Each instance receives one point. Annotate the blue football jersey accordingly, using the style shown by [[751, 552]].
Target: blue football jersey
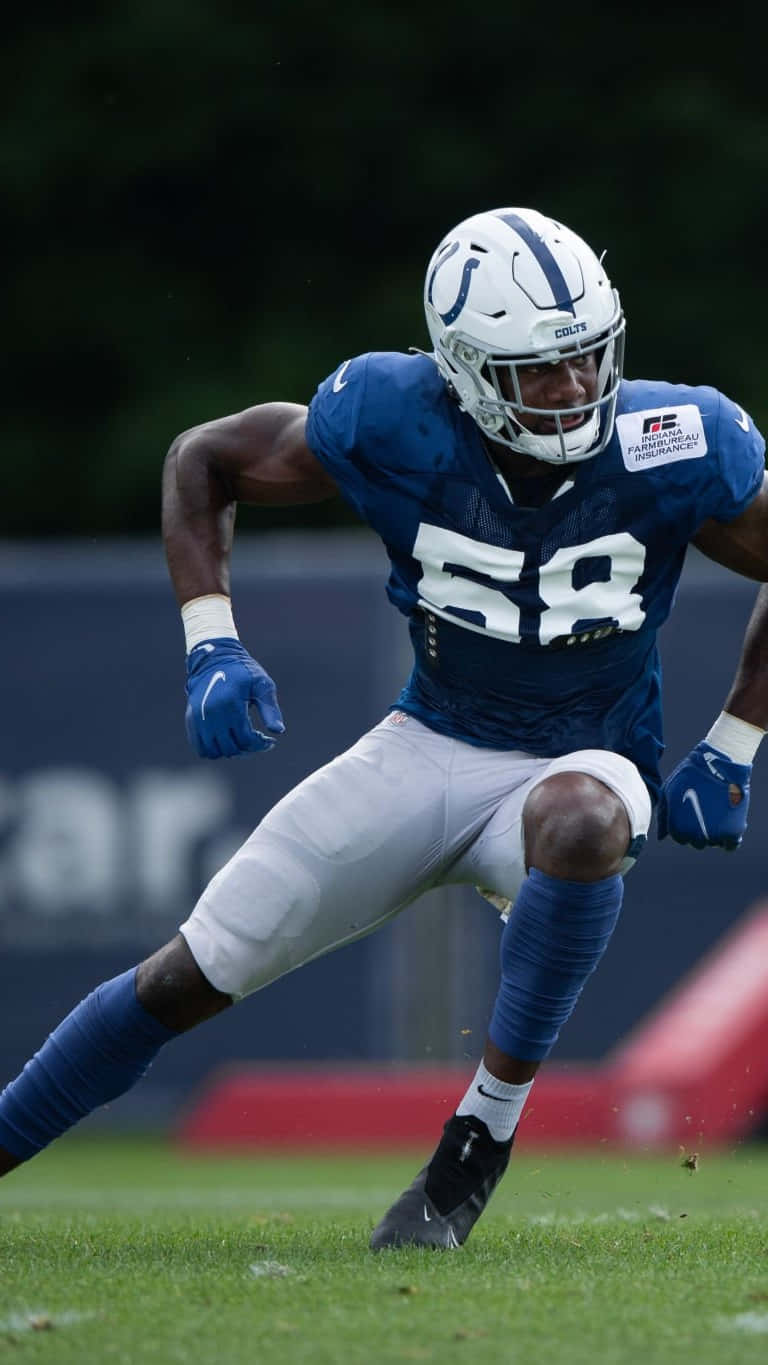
[[533, 628]]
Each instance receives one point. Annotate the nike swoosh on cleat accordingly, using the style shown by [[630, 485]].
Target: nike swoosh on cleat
[[427, 1216], [690, 795], [217, 677], [499, 1098]]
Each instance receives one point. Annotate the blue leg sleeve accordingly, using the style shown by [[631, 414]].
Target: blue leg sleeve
[[555, 936], [96, 1053]]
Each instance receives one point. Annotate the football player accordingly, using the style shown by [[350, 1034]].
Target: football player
[[536, 508]]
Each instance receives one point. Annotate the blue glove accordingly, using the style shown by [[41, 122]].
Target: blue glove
[[228, 696], [696, 804]]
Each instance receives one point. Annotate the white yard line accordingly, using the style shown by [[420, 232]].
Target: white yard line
[[40, 1320], [745, 1322]]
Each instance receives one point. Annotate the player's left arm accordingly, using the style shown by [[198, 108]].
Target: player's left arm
[[742, 544], [705, 801]]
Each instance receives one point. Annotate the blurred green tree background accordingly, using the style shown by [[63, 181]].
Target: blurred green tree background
[[213, 204]]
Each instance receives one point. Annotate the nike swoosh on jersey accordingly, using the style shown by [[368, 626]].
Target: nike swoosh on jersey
[[690, 795], [340, 383], [742, 421], [217, 677]]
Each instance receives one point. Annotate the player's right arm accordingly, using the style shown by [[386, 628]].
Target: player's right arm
[[258, 456]]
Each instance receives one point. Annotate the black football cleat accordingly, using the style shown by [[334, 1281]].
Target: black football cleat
[[447, 1197]]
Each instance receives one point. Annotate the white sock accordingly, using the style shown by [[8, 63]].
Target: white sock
[[498, 1104]]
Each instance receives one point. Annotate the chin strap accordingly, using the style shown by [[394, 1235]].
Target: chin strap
[[557, 448]]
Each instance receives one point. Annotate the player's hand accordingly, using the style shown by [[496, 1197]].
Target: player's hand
[[705, 800], [231, 702]]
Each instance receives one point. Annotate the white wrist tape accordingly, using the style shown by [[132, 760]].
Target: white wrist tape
[[208, 618], [736, 738]]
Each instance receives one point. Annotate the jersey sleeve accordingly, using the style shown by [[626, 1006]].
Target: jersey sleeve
[[741, 463], [374, 425], [333, 429]]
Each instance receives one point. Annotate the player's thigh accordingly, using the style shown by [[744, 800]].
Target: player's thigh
[[495, 861], [346, 849]]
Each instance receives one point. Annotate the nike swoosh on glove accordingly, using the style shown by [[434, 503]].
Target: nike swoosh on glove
[[231, 702], [696, 804]]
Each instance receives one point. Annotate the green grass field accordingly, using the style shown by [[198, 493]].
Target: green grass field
[[129, 1252]]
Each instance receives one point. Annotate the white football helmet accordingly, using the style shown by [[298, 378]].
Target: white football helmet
[[510, 288]]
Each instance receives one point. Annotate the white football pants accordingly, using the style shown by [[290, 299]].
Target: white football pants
[[402, 811]]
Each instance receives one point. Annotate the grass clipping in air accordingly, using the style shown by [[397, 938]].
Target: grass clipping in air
[[127, 1251]]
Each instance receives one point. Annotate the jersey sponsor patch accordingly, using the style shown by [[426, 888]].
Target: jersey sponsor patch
[[661, 436]]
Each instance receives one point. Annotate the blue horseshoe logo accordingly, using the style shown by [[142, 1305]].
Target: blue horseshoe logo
[[466, 275]]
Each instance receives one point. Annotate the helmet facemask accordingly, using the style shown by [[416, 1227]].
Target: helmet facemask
[[501, 414]]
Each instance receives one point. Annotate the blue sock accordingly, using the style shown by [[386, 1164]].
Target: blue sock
[[95, 1054], [555, 936]]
